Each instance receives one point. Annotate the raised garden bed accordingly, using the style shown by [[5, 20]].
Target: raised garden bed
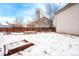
[[17, 46]]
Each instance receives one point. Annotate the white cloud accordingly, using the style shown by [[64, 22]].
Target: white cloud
[[3, 20]]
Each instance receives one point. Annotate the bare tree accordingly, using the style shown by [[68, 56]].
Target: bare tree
[[19, 21], [51, 10]]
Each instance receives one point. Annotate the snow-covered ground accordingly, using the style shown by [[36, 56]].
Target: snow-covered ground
[[45, 44]]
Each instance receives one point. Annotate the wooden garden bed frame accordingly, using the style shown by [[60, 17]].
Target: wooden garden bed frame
[[19, 48]]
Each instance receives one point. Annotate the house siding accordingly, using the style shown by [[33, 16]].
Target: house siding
[[68, 20]]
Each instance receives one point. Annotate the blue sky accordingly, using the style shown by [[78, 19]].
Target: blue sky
[[25, 10], [12, 9]]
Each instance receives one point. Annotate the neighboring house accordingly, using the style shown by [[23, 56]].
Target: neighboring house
[[41, 23], [67, 20], [10, 27], [5, 26], [14, 24]]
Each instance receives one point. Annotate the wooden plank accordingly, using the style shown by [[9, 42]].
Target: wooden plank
[[20, 48]]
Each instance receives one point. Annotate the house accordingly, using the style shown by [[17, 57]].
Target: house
[[41, 23], [67, 19]]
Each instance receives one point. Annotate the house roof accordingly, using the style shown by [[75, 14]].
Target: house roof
[[65, 7], [5, 26]]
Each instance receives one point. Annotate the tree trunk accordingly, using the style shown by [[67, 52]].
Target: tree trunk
[[51, 21]]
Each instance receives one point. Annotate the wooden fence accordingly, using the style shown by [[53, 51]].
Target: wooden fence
[[21, 29]]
